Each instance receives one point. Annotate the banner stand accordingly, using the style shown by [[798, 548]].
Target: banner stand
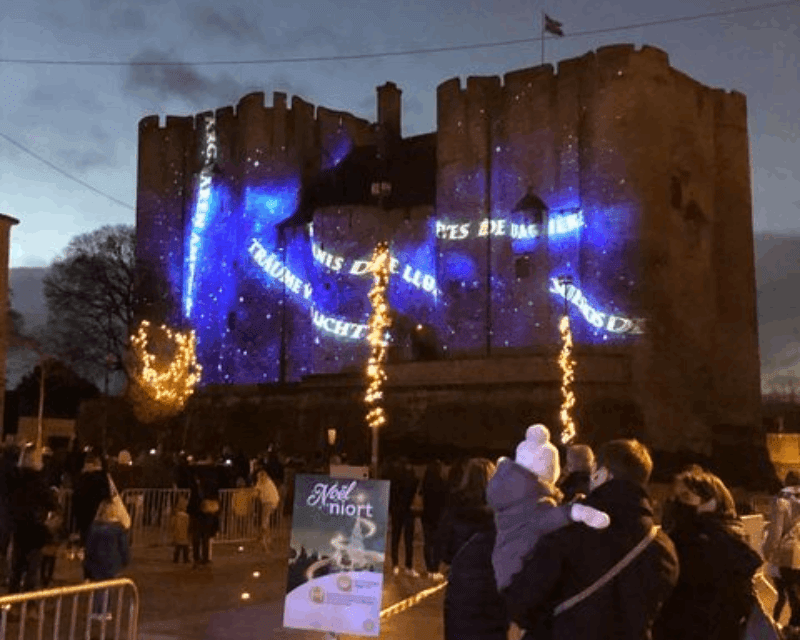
[[337, 554]]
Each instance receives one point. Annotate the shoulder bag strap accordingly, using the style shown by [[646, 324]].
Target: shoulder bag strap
[[609, 575], [464, 546]]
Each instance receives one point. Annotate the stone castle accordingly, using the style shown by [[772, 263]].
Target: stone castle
[[615, 189]]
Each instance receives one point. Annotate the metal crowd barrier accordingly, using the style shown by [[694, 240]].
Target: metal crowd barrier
[[96, 610], [240, 516], [151, 511]]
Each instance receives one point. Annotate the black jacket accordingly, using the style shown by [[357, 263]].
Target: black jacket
[[574, 484], [714, 590], [90, 490], [473, 609], [434, 496], [565, 562], [30, 501], [402, 489]]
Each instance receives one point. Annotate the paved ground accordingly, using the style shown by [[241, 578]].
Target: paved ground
[[181, 603]]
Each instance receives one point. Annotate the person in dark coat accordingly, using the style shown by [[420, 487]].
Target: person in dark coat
[[566, 562], [91, 489], [577, 472], [203, 519], [8, 471], [402, 490], [473, 608], [107, 552], [714, 594], [434, 499], [29, 505]]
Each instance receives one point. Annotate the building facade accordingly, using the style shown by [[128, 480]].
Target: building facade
[[614, 188]]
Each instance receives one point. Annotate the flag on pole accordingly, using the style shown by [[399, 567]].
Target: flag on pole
[[553, 26]]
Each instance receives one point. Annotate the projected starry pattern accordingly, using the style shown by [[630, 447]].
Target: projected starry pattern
[[272, 298]]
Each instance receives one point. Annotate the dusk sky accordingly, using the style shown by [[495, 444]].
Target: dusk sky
[[83, 119]]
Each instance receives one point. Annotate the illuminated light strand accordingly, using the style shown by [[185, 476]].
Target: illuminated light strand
[[378, 324], [567, 365], [167, 384], [403, 605]]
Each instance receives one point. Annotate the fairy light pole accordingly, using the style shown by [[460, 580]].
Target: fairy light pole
[[567, 365], [376, 336]]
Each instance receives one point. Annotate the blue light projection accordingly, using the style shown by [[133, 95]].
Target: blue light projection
[[271, 301], [202, 214]]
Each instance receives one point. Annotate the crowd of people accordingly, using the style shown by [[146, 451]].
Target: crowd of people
[[71, 504], [544, 553], [529, 548]]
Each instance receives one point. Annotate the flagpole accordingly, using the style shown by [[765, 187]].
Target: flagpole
[[542, 37]]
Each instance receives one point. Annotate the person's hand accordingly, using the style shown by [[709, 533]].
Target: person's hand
[[589, 516]]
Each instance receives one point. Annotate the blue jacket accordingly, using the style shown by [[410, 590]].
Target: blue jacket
[[525, 508], [107, 550]]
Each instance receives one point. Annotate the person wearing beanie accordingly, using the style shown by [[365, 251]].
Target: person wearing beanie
[[527, 504], [580, 463]]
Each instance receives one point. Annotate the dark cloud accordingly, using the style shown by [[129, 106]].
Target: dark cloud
[[182, 82], [234, 24], [99, 134], [64, 95], [83, 160], [197, 87], [97, 16]]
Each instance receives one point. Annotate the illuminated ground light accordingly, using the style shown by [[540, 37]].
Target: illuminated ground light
[[378, 324], [167, 383], [567, 365]]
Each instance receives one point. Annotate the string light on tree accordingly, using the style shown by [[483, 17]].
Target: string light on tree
[[567, 365], [378, 324], [166, 382]]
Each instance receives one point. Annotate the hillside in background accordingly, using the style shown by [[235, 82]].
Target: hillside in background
[[777, 279]]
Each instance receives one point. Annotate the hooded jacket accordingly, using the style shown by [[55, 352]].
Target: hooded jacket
[[714, 591], [107, 550], [525, 508], [566, 562], [473, 608]]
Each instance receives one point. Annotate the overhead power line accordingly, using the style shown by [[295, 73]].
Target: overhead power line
[[23, 148], [407, 52]]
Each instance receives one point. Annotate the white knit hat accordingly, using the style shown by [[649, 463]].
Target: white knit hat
[[538, 455]]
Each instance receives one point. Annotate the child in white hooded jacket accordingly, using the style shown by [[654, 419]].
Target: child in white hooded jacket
[[527, 504]]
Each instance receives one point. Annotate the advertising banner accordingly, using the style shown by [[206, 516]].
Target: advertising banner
[[336, 555]]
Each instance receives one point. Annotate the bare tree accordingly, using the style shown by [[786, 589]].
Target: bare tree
[[89, 294]]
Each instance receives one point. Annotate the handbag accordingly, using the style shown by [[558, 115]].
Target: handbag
[[608, 575], [121, 513], [209, 507]]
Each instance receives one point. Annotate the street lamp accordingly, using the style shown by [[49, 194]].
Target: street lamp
[[565, 281]]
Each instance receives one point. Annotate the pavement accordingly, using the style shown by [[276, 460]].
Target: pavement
[[178, 602]]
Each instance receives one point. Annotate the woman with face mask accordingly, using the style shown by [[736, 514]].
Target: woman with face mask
[[714, 595]]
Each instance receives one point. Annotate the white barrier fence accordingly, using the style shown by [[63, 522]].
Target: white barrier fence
[[240, 515], [97, 610]]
